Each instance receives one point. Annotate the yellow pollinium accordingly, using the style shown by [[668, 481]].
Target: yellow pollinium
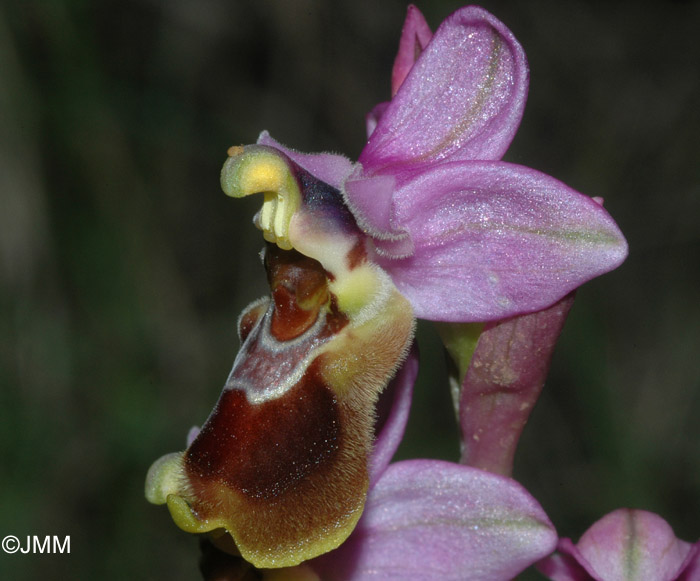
[[256, 169]]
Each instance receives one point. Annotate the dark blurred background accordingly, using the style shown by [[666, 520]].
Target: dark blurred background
[[123, 266]]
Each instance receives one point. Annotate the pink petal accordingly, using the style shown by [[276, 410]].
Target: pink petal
[[628, 545], [328, 167], [431, 520], [192, 434], [562, 565], [393, 408], [463, 99], [415, 36], [504, 380], [493, 240], [625, 545], [691, 567], [370, 201], [372, 118]]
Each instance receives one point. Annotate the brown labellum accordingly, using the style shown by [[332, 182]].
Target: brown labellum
[[281, 463]]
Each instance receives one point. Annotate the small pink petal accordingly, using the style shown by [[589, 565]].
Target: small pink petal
[[562, 565], [192, 434], [628, 545], [393, 417], [370, 201], [625, 545], [463, 98], [372, 118], [691, 567], [431, 520], [415, 36]]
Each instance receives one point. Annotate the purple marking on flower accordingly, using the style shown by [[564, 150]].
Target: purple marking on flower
[[464, 236], [625, 545]]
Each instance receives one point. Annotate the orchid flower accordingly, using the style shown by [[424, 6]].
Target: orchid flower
[[280, 470], [428, 223], [625, 545], [423, 520], [465, 237]]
